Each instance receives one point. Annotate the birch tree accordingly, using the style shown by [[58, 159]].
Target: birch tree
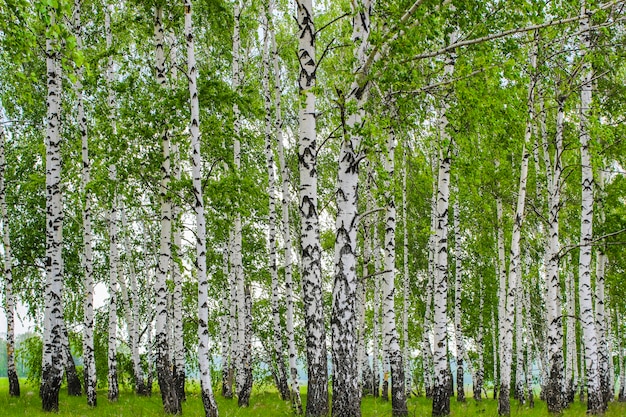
[[208, 400], [113, 392], [52, 367], [294, 387], [514, 277], [89, 362], [594, 395], [279, 362], [171, 402], [9, 298], [317, 398]]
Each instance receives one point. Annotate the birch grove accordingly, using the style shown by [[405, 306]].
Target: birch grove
[[214, 203]]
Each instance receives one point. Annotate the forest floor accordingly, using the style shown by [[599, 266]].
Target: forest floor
[[265, 403]]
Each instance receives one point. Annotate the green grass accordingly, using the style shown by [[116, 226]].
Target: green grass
[[265, 403]]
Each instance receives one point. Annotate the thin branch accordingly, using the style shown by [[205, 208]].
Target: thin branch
[[566, 249], [330, 23], [506, 33], [367, 213], [376, 274], [442, 83]]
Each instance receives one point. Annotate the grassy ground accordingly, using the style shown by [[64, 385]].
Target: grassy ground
[[261, 404]]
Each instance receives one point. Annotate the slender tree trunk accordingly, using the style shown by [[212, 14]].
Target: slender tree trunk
[[317, 399], [494, 355], [343, 322], [171, 402], [228, 324], [428, 313], [458, 279], [441, 391], [572, 362], [504, 407], [89, 361], [73, 382], [520, 379], [529, 351], [14, 383], [480, 365], [206, 387], [594, 389], [296, 402], [243, 357], [133, 313], [280, 371], [391, 339], [113, 392], [52, 366], [501, 272], [601, 315], [621, 397], [177, 296], [406, 291]]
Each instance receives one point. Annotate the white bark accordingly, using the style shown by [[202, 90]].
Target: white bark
[[52, 365], [89, 361], [601, 315], [317, 399], [279, 359], [514, 278], [571, 364], [441, 394], [208, 400], [9, 300], [177, 296], [376, 335], [171, 402], [296, 402], [458, 280], [595, 403], [390, 331], [406, 292], [113, 392]]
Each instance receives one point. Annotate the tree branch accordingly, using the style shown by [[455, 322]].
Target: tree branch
[[507, 33]]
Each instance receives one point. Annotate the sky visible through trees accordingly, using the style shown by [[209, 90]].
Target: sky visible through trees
[[375, 194]]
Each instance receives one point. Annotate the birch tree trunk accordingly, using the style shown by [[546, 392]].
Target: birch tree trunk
[[601, 317], [406, 292], [501, 272], [494, 355], [294, 387], [280, 371], [229, 326], [391, 338], [594, 390], [441, 391], [343, 322], [113, 392], [529, 350], [52, 364], [171, 402], [89, 361], [570, 335], [480, 366], [458, 279], [133, 306], [317, 399], [71, 376], [177, 297], [520, 379], [206, 387], [428, 302], [14, 382], [504, 407]]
